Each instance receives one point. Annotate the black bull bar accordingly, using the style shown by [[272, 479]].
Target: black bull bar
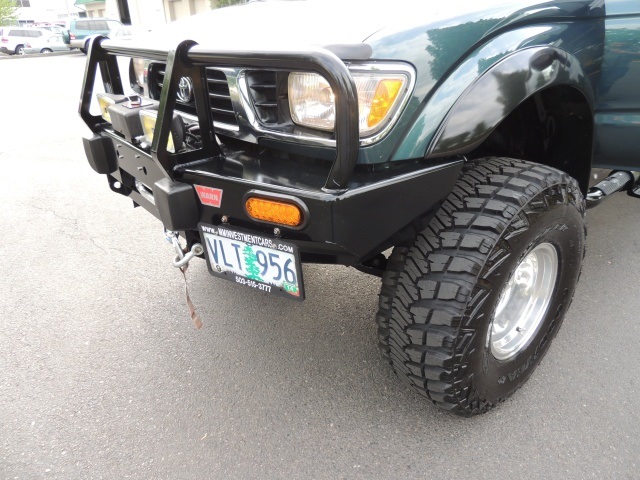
[[355, 216], [188, 59]]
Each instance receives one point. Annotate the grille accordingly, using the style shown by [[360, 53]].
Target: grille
[[219, 97], [218, 90], [263, 89]]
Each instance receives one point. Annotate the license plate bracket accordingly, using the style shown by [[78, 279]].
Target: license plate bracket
[[252, 260]]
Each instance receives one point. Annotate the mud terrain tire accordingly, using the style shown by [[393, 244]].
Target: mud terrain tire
[[440, 295]]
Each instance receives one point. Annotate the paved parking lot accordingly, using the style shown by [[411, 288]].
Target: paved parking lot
[[103, 375]]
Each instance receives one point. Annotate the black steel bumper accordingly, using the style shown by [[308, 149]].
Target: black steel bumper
[[353, 213]]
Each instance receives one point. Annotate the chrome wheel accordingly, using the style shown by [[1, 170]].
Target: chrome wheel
[[523, 302]]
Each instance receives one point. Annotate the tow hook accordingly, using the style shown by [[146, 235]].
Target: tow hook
[[181, 262]]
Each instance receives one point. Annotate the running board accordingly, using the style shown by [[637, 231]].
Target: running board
[[615, 182], [634, 191]]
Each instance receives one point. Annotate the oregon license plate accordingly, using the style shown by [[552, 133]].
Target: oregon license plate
[[253, 261]]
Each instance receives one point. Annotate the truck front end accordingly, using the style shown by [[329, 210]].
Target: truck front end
[[258, 155]]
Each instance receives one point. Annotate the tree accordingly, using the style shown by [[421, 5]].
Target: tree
[[225, 3], [8, 12], [251, 262]]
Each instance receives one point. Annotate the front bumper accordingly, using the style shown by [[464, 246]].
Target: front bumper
[[353, 213], [78, 43]]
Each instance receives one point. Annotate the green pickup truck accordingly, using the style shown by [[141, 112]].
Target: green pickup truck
[[446, 147]]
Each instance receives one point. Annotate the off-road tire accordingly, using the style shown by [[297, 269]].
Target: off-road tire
[[19, 50], [439, 294]]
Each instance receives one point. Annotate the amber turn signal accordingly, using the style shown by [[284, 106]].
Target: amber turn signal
[[384, 98], [274, 211]]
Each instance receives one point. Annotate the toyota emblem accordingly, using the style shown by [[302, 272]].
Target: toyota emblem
[[185, 90]]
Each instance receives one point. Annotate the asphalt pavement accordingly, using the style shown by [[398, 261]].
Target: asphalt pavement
[[102, 374]]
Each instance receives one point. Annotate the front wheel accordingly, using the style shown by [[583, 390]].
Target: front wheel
[[469, 308]]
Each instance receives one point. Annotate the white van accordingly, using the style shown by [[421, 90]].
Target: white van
[[13, 39]]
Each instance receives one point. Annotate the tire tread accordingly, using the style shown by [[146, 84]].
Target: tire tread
[[432, 288]]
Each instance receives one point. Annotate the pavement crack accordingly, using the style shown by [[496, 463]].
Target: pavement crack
[[100, 247], [126, 252], [53, 212]]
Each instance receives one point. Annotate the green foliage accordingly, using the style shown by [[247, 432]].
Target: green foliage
[[8, 12], [225, 3]]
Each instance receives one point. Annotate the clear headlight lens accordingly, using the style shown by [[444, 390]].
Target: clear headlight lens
[[312, 104], [311, 101]]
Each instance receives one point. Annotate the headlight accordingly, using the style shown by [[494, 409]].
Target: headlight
[[311, 100]]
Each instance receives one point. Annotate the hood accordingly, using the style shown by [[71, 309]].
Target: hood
[[286, 24]]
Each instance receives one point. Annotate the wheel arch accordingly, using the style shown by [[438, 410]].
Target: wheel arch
[[536, 104]]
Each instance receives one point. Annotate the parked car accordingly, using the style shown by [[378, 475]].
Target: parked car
[[78, 30], [52, 28], [46, 44], [13, 39]]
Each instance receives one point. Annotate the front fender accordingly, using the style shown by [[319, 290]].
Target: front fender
[[467, 104], [500, 90]]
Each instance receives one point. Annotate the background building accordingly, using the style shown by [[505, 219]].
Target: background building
[[146, 13], [46, 11], [93, 8], [175, 9]]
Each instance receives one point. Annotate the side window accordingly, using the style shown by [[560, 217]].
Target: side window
[[35, 33], [83, 25], [16, 33], [99, 25]]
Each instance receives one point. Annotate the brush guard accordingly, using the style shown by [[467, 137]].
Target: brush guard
[[190, 59]]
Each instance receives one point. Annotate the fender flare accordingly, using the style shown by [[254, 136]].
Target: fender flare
[[500, 90]]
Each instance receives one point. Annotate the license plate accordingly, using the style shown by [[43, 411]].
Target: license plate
[[253, 261]]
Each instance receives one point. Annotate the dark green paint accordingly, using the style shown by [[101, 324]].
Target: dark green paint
[[598, 45], [617, 119]]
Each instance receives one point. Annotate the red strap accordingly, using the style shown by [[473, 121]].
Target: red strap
[[197, 322]]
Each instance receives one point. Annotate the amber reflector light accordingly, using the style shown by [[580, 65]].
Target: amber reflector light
[[274, 211], [383, 100]]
